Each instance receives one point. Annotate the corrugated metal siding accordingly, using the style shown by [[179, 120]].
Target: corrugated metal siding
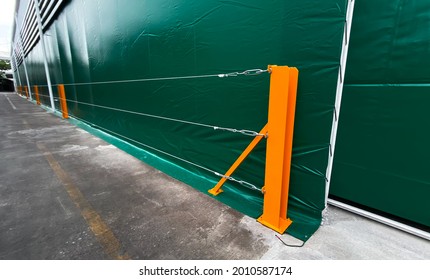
[[29, 29]]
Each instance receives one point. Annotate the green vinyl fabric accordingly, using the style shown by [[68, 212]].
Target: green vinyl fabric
[[382, 152], [96, 41]]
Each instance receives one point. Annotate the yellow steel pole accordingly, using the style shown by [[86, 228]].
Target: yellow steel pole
[[291, 111], [63, 103], [26, 91], [283, 88], [36, 92]]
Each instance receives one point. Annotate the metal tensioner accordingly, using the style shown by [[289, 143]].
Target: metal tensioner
[[251, 72]]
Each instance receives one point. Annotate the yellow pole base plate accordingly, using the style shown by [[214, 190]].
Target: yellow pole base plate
[[215, 192], [283, 224]]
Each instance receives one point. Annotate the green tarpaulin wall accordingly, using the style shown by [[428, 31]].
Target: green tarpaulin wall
[[382, 150], [93, 41]]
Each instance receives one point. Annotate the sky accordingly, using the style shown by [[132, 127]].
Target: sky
[[7, 8]]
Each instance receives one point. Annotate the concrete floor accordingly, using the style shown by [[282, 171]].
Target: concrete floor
[[65, 194]]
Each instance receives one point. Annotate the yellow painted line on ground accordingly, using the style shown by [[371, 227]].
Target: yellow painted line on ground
[[103, 233]]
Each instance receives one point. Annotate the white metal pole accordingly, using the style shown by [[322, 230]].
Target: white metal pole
[[13, 73], [16, 66], [23, 57], [45, 61], [339, 91]]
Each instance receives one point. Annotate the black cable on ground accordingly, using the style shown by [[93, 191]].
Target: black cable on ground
[[290, 245]]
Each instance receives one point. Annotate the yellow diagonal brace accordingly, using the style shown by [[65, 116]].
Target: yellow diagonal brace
[[217, 189]]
